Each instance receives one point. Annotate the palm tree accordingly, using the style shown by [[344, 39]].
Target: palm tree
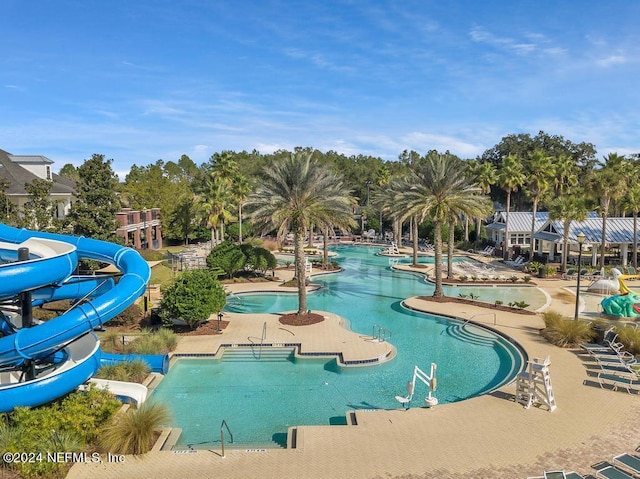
[[216, 207], [241, 189], [294, 193], [384, 178], [510, 177], [539, 176], [607, 184], [485, 175], [631, 203], [566, 174], [438, 189], [567, 208]]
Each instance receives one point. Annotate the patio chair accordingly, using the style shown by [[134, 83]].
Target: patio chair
[[569, 274], [612, 472], [628, 462]]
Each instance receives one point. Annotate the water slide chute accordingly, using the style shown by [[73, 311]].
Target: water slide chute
[[47, 275]]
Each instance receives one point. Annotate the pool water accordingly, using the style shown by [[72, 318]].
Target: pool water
[[261, 398]]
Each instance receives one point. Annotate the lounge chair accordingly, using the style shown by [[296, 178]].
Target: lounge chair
[[617, 380], [573, 475], [517, 263], [554, 475], [569, 274], [484, 251], [628, 462], [612, 472]]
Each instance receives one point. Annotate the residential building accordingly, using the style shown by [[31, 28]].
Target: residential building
[[140, 229], [20, 170]]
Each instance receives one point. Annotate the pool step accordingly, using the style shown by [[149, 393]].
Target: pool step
[[258, 353], [470, 334]]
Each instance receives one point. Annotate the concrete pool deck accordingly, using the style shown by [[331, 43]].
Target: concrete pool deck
[[484, 437]]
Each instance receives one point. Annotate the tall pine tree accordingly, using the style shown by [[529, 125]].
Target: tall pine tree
[[94, 213]]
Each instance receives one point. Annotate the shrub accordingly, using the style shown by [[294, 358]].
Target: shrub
[[228, 257], [565, 332], [133, 371], [463, 277], [77, 420], [526, 278], [513, 278], [193, 297], [630, 337], [133, 431]]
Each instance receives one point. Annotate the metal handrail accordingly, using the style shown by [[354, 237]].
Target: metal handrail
[[495, 318], [264, 335], [382, 335], [224, 425]]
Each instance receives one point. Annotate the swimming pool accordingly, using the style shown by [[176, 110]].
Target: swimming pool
[[260, 399]]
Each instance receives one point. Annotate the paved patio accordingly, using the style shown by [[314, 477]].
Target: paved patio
[[485, 437]]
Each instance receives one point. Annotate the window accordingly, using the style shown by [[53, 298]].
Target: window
[[48, 172]]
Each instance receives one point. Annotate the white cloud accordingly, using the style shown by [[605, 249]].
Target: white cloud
[[612, 60]]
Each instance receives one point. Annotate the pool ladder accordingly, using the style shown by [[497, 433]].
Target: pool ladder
[[224, 425], [380, 334]]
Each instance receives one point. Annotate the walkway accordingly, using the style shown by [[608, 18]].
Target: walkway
[[485, 437]]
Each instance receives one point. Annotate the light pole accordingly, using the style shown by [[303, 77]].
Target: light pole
[[580, 239], [220, 315]]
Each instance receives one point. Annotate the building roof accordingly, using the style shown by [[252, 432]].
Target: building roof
[[619, 230], [36, 159], [17, 176], [519, 221]]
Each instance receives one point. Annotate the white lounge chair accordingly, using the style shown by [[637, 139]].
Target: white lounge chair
[[517, 263]]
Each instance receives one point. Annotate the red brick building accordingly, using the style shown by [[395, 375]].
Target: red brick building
[[140, 229]]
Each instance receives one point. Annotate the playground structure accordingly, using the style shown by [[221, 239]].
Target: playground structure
[[626, 304], [41, 361]]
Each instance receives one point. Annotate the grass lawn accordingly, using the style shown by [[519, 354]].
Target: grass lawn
[[161, 274]]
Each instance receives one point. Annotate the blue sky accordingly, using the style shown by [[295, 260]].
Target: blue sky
[[143, 80]]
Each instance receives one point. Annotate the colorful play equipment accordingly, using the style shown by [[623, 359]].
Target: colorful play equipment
[[626, 304], [41, 361]]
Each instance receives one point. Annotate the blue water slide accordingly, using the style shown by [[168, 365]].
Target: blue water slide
[[158, 363], [48, 274]]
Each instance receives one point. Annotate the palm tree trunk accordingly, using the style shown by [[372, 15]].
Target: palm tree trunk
[[505, 253], [450, 244], [414, 233], [565, 248], [222, 231], [325, 249], [240, 222], [437, 233], [300, 270], [466, 229], [603, 241], [478, 226], [533, 228], [635, 239]]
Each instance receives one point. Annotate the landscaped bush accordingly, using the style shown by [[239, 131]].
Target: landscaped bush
[[77, 419], [161, 341], [134, 371], [228, 257], [630, 337], [565, 333], [193, 297], [134, 431], [132, 315]]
